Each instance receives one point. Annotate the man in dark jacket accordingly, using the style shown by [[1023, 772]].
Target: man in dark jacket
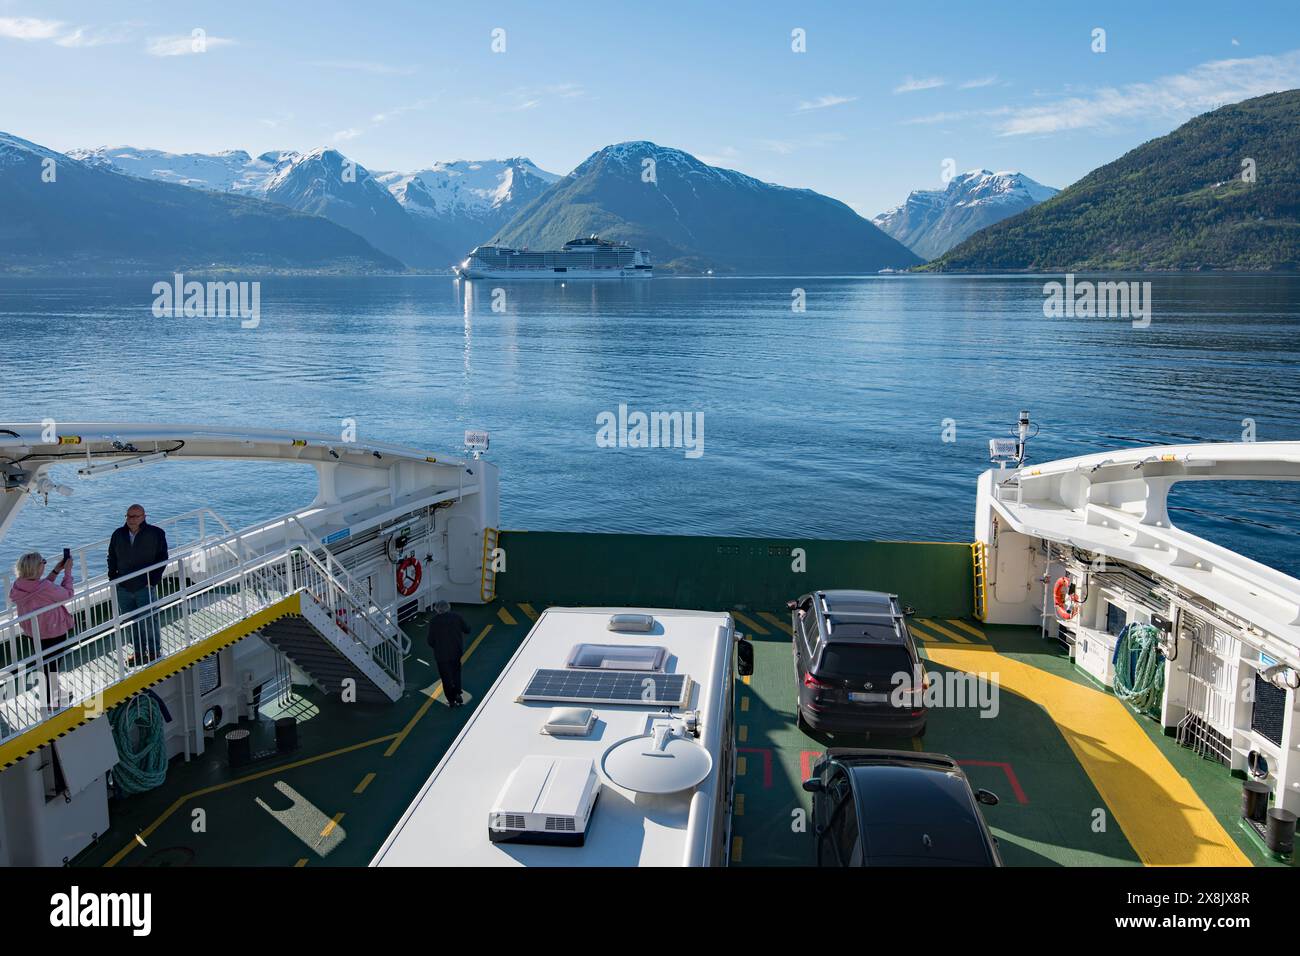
[[446, 631], [133, 547]]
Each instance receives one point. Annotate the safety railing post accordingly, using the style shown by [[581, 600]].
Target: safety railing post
[[116, 642], [185, 603]]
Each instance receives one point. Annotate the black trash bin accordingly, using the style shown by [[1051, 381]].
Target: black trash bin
[[1254, 800], [239, 748], [1279, 834], [286, 734]]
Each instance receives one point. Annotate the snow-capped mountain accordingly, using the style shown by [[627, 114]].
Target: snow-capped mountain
[[428, 218], [322, 182], [58, 214], [932, 221], [464, 202], [693, 216]]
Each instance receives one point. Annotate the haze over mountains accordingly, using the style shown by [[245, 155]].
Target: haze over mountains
[[932, 221]]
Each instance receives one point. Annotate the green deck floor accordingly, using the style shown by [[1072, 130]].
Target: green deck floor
[[322, 806]]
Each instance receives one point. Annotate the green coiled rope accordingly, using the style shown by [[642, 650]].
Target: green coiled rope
[[141, 766], [1140, 682]]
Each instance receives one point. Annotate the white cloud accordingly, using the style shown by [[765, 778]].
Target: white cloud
[[29, 28], [979, 82], [784, 147], [94, 36], [344, 135], [824, 101], [1178, 96], [185, 44], [911, 84]]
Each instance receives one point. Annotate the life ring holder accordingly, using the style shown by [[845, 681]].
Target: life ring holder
[[1068, 605], [409, 573]]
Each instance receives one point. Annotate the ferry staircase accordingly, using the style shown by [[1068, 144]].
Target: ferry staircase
[[277, 580]]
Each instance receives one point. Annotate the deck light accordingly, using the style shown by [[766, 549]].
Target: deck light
[[112, 466]]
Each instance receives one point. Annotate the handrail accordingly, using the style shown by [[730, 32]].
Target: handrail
[[218, 597], [347, 575]]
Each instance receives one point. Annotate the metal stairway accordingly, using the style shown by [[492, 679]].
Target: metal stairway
[[295, 594]]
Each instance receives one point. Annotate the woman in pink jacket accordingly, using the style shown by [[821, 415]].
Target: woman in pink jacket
[[30, 593]]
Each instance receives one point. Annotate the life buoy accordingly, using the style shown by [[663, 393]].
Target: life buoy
[[1067, 603], [409, 572]]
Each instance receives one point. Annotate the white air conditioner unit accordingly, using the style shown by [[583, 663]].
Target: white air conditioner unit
[[545, 800]]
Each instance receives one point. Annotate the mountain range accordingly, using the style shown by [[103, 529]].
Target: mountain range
[[63, 216], [932, 221], [696, 217], [427, 219], [1222, 191]]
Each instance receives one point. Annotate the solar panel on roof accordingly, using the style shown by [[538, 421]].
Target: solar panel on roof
[[608, 687]]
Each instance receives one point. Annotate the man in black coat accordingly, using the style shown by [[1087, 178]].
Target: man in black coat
[[446, 633], [133, 547]]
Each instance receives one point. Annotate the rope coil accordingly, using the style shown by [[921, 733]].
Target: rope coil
[[141, 765], [1139, 667]]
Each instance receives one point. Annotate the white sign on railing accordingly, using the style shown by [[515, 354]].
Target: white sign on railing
[[476, 441]]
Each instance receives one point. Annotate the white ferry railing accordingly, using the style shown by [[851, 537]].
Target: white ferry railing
[[199, 596], [184, 532]]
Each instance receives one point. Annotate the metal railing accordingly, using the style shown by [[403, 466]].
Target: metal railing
[[185, 532], [200, 593]]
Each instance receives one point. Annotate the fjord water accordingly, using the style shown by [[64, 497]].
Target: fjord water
[[826, 423]]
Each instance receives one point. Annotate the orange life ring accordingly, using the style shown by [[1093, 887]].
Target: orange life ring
[[1067, 604], [409, 572]]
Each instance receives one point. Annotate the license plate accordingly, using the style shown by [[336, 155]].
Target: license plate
[[863, 698]]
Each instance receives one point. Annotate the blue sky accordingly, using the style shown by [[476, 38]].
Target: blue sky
[[883, 95]]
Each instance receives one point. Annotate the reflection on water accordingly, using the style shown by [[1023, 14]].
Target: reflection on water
[[825, 423]]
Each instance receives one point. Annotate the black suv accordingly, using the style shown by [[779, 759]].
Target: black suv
[[898, 808], [857, 664]]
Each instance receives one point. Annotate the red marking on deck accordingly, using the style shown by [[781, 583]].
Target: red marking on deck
[[1006, 769], [805, 768], [766, 754]]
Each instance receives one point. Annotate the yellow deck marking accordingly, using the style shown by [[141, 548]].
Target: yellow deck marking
[[750, 623], [365, 782], [433, 695], [741, 766], [506, 616], [946, 632], [1161, 815], [329, 827], [528, 609], [215, 788], [743, 733], [739, 808], [975, 631], [114, 694], [744, 704], [737, 848], [302, 862], [916, 744], [773, 619], [745, 679]]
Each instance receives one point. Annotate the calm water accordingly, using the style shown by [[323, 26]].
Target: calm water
[[826, 423]]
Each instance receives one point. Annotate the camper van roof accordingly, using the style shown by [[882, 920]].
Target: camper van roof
[[447, 824]]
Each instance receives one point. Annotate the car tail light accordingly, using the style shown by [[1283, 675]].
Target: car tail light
[[815, 684]]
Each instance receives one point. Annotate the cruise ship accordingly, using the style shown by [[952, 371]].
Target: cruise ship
[[589, 258], [618, 710]]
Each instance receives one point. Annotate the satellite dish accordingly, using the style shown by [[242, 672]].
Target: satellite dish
[[662, 761]]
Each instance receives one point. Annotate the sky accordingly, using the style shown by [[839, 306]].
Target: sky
[[882, 98]]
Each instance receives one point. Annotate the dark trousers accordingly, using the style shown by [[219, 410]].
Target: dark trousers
[[145, 633], [449, 673]]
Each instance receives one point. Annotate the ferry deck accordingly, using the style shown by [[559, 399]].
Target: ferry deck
[[1083, 779]]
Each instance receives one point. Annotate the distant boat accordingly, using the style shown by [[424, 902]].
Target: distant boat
[[590, 258]]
